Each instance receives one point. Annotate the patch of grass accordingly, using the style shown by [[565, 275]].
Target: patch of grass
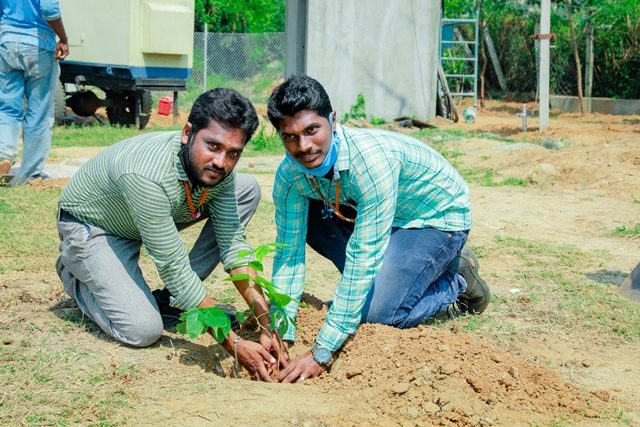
[[25, 210], [94, 136], [75, 317], [489, 178], [453, 135], [473, 322], [357, 110], [554, 281], [624, 231], [264, 142], [62, 385], [623, 417]]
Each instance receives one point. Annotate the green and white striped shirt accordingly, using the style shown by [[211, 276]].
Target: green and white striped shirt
[[134, 189], [394, 181]]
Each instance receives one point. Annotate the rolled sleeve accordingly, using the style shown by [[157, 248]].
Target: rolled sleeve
[[291, 209], [230, 234], [50, 10], [378, 188]]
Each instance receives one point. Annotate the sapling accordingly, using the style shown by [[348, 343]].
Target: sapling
[[214, 320]]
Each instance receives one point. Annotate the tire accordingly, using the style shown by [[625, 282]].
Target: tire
[[145, 108], [123, 105], [59, 103]]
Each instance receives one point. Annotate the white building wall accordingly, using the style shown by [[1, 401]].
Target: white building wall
[[385, 49]]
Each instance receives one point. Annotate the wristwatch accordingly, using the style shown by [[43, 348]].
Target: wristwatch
[[322, 356]]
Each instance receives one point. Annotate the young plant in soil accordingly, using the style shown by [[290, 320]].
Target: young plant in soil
[[214, 320]]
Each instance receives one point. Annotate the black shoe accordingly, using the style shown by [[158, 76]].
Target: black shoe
[[171, 315], [476, 298]]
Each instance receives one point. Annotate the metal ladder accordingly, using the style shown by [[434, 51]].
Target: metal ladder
[[450, 38]]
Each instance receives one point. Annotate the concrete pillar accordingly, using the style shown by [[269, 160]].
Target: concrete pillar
[[386, 50], [545, 28], [296, 37]]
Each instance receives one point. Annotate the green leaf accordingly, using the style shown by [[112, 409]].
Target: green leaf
[[241, 316], [281, 300], [276, 319], [256, 265], [262, 251], [215, 317], [220, 334], [244, 253], [292, 322], [181, 328], [236, 277], [194, 325], [264, 283], [282, 328]]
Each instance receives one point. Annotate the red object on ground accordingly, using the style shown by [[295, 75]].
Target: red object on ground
[[164, 105]]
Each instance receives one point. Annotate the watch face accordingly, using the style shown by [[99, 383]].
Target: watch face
[[322, 355]]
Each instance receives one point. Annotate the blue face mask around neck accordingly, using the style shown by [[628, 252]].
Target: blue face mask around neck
[[329, 159]]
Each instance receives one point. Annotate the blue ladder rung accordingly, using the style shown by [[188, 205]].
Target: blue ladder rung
[[448, 58]]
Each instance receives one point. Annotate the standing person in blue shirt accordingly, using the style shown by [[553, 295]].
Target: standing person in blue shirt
[[28, 68], [389, 212]]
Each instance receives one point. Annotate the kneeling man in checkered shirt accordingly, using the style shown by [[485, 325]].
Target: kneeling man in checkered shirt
[[390, 213]]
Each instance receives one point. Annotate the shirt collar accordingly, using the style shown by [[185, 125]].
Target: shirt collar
[[343, 154], [177, 144]]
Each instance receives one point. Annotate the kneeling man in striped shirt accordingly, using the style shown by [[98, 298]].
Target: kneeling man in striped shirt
[[390, 213], [142, 192]]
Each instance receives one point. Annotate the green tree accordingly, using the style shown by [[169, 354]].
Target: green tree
[[240, 16], [616, 42]]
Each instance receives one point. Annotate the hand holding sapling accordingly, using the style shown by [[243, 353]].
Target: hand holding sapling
[[256, 358]]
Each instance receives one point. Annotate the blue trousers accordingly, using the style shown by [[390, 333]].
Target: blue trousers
[[418, 278], [26, 72]]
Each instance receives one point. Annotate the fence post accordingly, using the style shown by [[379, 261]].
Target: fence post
[[206, 52], [588, 78], [545, 29]]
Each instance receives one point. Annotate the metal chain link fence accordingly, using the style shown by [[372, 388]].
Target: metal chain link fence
[[251, 63]]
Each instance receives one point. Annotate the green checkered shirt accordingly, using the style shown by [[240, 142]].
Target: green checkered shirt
[[395, 181], [134, 189]]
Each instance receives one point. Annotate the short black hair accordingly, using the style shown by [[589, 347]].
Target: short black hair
[[227, 107], [299, 92]]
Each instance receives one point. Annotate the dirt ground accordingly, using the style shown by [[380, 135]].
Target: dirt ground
[[529, 360]]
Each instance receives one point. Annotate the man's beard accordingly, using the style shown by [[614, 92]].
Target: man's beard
[[195, 175]]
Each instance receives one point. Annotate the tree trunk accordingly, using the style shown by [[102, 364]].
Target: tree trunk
[[576, 55], [494, 59]]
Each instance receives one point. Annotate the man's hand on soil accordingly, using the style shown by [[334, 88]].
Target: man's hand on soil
[[301, 369], [277, 348], [256, 359]]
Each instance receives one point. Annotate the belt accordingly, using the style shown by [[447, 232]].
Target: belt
[[65, 216]]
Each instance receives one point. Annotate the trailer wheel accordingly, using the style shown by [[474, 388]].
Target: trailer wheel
[[122, 108], [59, 103]]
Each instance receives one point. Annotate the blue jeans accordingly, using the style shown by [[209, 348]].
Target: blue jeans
[[418, 278], [26, 72]]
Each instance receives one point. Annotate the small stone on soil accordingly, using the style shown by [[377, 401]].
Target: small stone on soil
[[401, 388]]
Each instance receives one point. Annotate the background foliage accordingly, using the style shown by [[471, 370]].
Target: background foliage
[[616, 42], [512, 26], [240, 16]]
